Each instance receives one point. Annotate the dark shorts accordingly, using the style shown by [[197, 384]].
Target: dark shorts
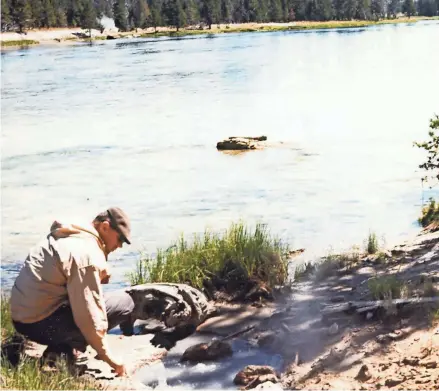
[[60, 328]]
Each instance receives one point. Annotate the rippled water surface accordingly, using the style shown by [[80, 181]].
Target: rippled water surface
[[134, 123]]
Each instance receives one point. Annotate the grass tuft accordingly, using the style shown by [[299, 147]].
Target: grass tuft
[[372, 243], [430, 214], [388, 288], [239, 254], [28, 374]]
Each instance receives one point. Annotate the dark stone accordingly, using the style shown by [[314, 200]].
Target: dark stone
[[255, 375], [207, 351]]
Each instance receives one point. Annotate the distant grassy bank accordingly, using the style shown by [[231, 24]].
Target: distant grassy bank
[[216, 29], [19, 42], [293, 26]]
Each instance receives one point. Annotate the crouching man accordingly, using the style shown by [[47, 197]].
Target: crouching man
[[57, 299]]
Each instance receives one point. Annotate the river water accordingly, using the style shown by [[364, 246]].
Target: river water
[[134, 123]]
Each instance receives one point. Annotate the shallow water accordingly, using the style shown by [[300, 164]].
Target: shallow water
[[217, 375], [134, 123]]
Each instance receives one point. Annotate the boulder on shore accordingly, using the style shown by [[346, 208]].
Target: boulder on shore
[[241, 143]]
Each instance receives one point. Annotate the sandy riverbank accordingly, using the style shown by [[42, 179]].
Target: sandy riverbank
[[74, 35]]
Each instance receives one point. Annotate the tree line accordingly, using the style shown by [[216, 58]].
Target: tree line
[[129, 14]]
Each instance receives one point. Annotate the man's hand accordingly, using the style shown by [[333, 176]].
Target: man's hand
[[120, 370], [119, 367]]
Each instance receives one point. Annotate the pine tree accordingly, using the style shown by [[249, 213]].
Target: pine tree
[[226, 11], [73, 13], [88, 16], [37, 13], [275, 11], [409, 8], [363, 10], [120, 15], [376, 9], [263, 11], [156, 17], [139, 13], [299, 9], [392, 8], [254, 11], [49, 17], [174, 13], [324, 9], [6, 16], [192, 12], [21, 14], [61, 19], [350, 9], [210, 11]]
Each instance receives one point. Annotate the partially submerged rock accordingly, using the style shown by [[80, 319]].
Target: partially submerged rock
[[175, 305], [207, 351], [241, 143]]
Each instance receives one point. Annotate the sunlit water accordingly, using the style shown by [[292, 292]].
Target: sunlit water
[[135, 123]]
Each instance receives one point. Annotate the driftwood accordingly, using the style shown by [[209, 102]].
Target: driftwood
[[238, 333], [364, 306], [174, 305]]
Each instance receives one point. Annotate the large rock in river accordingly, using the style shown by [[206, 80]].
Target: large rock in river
[[241, 143]]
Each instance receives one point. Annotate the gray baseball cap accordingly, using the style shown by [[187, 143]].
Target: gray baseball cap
[[120, 222]]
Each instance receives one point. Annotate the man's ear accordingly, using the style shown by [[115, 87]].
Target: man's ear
[[105, 226]]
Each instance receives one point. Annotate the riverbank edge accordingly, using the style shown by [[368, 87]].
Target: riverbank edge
[[148, 354], [73, 36]]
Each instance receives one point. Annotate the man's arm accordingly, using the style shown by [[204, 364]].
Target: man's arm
[[88, 307]]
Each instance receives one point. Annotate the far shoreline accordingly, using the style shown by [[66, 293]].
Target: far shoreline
[[73, 36]]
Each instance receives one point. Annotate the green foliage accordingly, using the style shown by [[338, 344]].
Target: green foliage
[[29, 376], [409, 8], [372, 243], [24, 14], [21, 14], [238, 254], [174, 13], [20, 42], [139, 13], [431, 147], [428, 7], [7, 329], [120, 14], [5, 15], [430, 214], [87, 16], [387, 288]]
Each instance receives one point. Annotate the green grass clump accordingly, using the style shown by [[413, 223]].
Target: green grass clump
[[372, 244], [28, 374], [239, 254], [387, 288], [430, 214], [7, 329], [19, 42]]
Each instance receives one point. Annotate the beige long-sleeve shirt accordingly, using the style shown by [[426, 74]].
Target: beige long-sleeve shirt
[[66, 267]]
